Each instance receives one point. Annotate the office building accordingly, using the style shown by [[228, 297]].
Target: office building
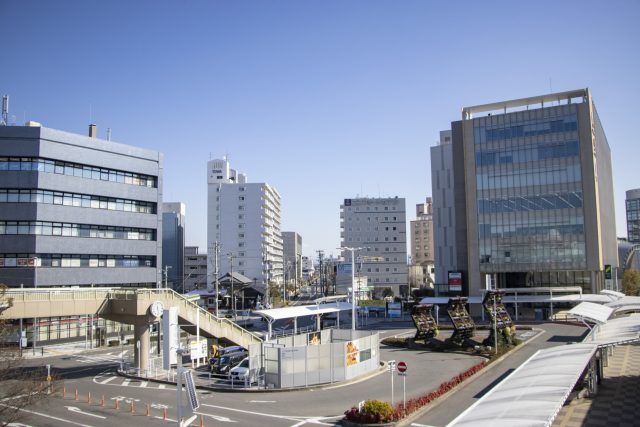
[[173, 223], [243, 218], [378, 226], [195, 269], [76, 210], [421, 232], [539, 193], [449, 218], [632, 204], [292, 248]]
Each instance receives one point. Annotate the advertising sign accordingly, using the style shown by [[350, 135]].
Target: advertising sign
[[455, 281]]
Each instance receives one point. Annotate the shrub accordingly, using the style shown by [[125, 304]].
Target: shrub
[[373, 411]]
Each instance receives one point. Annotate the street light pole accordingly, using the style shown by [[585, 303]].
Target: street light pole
[[233, 296], [353, 286]]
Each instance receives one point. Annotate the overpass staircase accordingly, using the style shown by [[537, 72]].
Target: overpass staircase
[[121, 305]]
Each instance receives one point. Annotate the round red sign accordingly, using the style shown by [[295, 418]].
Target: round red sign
[[402, 366]]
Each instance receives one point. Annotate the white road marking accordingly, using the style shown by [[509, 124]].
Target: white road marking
[[162, 386], [301, 420], [108, 380], [421, 425], [78, 411], [216, 417], [144, 383], [262, 401], [45, 415], [126, 382]]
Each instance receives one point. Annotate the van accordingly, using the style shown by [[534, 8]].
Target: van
[[224, 363]]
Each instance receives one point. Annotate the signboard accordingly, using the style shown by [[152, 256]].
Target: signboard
[[198, 350], [402, 367], [455, 281], [607, 271], [394, 309], [344, 268], [170, 341]]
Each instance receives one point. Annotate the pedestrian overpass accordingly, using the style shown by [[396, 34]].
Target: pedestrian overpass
[[131, 306]]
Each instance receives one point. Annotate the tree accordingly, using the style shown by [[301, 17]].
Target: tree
[[19, 386], [631, 282]]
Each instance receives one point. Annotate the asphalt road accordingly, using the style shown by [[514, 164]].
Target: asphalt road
[[94, 372]]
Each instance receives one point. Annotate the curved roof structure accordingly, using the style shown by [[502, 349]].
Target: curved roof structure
[[595, 313], [534, 393], [302, 310]]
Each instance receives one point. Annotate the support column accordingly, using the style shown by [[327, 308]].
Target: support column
[[141, 334]]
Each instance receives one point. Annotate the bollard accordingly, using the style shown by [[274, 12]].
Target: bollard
[[102, 401], [148, 410], [117, 403], [76, 393], [164, 414], [201, 421], [89, 398], [132, 407], [64, 392]]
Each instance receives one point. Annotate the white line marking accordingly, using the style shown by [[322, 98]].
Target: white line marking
[[45, 415], [162, 386], [282, 417], [126, 382], [108, 380], [262, 401], [216, 417], [78, 411], [144, 383]]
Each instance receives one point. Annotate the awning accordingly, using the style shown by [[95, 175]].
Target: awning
[[534, 393], [302, 310], [624, 301], [616, 331], [596, 313]]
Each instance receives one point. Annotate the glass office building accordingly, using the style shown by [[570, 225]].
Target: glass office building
[[539, 192], [632, 203]]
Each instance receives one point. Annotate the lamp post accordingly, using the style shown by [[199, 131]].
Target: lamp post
[[233, 296], [353, 285]]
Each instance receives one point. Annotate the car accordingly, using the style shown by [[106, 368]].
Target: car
[[242, 373], [223, 365]]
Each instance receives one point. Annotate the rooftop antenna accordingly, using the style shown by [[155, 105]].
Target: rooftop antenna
[[108, 134], [5, 110]]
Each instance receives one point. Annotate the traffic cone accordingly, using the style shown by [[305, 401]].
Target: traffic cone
[[148, 410], [89, 398], [132, 407], [102, 401], [201, 421], [117, 403], [76, 393], [64, 392]]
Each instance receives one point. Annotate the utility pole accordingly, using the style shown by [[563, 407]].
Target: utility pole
[[233, 295], [265, 260], [320, 281], [166, 275]]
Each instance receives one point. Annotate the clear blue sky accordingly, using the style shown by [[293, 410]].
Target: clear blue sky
[[324, 100]]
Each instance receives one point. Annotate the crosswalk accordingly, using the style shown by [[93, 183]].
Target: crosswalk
[[113, 357], [113, 379]]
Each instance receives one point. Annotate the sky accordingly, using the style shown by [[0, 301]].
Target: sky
[[324, 100]]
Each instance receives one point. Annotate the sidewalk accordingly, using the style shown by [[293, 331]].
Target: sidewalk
[[616, 403]]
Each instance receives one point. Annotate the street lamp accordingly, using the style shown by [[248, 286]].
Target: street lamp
[[353, 285]]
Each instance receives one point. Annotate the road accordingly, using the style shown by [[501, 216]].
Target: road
[[94, 372]]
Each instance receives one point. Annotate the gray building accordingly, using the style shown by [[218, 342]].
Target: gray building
[[77, 210], [173, 222], [378, 226], [538, 193], [632, 204], [195, 269], [292, 250], [449, 218]]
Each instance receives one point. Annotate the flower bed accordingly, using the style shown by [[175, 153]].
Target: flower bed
[[369, 415]]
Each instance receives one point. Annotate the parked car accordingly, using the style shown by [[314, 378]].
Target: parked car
[[223, 365], [242, 373], [221, 351]]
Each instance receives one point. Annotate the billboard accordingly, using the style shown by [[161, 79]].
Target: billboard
[[455, 281]]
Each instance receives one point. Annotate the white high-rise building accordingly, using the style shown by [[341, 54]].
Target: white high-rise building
[[243, 219], [378, 225]]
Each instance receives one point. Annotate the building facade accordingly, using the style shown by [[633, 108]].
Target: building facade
[[449, 217], [632, 204], [195, 269], [422, 257], [77, 210], [378, 226], [173, 226], [538, 191], [244, 220], [292, 249]]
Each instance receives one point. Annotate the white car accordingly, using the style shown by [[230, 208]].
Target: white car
[[242, 373]]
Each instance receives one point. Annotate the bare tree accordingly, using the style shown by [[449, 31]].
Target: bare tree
[[19, 386]]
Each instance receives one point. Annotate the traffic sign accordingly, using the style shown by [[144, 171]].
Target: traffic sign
[[402, 367]]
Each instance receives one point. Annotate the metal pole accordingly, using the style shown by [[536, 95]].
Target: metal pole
[[404, 391], [353, 292], [495, 322], [20, 337], [392, 396], [217, 248]]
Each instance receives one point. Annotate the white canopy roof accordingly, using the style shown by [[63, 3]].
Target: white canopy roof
[[616, 331], [624, 301], [302, 310], [596, 313], [534, 393], [613, 294]]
